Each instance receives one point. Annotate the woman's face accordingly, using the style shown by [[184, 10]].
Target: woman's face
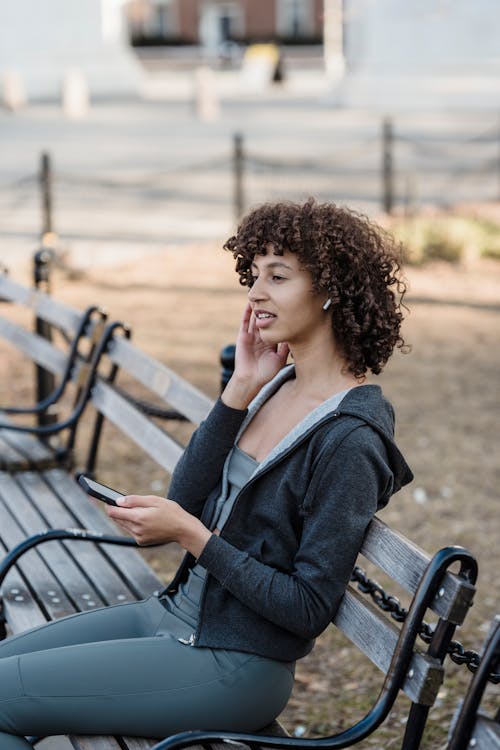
[[283, 301]]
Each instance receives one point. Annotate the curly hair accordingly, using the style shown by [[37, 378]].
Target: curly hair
[[350, 258]]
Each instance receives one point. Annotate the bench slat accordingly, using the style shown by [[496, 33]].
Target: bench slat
[[21, 610], [35, 347], [405, 563], [47, 308], [376, 636], [154, 441], [37, 576], [135, 743], [94, 742], [156, 376]]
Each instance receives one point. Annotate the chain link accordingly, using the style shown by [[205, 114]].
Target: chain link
[[392, 605]]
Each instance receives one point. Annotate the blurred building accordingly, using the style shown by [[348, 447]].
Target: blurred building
[[212, 23], [394, 54], [42, 43]]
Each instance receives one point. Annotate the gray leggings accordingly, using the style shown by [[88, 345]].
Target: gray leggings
[[122, 670]]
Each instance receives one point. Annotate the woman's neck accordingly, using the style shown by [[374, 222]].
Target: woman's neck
[[320, 371]]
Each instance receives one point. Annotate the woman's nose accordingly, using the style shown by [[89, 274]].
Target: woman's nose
[[256, 291]]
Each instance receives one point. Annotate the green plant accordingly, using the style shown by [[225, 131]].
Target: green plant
[[446, 237]]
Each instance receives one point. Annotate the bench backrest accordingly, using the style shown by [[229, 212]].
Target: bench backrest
[[50, 355], [376, 634], [59, 340]]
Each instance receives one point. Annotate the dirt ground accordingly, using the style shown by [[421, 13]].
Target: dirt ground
[[184, 304]]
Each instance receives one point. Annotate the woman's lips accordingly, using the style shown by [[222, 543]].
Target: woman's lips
[[263, 319]]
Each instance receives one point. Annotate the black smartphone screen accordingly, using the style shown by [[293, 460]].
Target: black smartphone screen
[[98, 490]]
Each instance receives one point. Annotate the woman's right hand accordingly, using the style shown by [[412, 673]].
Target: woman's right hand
[[256, 363]]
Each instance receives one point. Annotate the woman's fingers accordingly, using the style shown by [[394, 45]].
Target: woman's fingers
[[139, 501], [283, 351], [246, 318]]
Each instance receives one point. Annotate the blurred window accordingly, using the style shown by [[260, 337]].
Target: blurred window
[[294, 18]]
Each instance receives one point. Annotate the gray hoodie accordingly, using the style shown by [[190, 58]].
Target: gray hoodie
[[279, 568]]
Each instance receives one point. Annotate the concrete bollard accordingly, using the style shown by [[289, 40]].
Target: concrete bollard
[[75, 94], [205, 94], [13, 95]]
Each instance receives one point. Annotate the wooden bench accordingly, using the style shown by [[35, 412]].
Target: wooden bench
[[55, 578]]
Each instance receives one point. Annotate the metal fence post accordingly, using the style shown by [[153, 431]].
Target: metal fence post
[[46, 193], [238, 167], [45, 381], [42, 260], [387, 166]]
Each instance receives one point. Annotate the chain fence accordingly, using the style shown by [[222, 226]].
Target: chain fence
[[392, 605], [392, 170]]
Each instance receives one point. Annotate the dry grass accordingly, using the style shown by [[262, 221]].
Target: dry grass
[[184, 305]]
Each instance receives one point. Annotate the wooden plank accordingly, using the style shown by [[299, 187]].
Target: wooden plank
[[35, 347], [139, 428], [406, 563], [46, 307], [156, 376], [21, 610], [136, 743], [36, 575], [94, 742], [376, 636]]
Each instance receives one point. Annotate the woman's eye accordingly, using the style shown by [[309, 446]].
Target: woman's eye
[[278, 278]]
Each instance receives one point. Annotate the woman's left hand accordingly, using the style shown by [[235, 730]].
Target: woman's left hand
[[150, 519]]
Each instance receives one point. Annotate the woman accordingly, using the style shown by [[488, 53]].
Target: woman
[[270, 500]]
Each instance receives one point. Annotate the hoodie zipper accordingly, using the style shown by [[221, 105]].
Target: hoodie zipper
[[191, 641], [188, 641]]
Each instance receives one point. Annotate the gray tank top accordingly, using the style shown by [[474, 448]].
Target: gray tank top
[[185, 602]]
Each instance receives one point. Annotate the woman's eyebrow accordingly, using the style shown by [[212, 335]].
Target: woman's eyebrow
[[273, 264]]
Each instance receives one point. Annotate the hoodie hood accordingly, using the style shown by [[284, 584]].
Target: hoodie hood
[[367, 402]]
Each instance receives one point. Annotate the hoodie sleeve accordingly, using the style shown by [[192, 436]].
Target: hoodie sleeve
[[345, 491], [200, 467]]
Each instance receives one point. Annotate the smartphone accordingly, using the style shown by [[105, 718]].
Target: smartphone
[[98, 490]]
